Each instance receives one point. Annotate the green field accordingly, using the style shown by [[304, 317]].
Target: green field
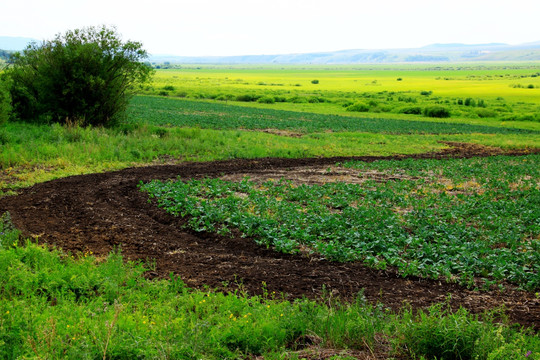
[[469, 221], [452, 219], [470, 91]]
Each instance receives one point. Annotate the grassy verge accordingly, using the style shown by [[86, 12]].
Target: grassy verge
[[53, 305]]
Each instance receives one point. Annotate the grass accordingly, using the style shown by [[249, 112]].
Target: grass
[[53, 305], [500, 88], [34, 153], [453, 219]]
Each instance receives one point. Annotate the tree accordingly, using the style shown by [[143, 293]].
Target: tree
[[85, 76], [5, 103]]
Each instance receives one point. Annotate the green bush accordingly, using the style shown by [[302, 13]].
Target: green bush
[[426, 93], [486, 113], [85, 76], [417, 110], [267, 100], [246, 98], [5, 103], [314, 81], [298, 100], [358, 107], [437, 112]]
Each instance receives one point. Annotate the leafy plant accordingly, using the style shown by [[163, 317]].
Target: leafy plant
[[84, 76]]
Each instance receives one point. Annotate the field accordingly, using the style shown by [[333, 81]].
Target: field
[[470, 91], [217, 223]]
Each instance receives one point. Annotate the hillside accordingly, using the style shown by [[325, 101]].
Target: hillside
[[430, 53]]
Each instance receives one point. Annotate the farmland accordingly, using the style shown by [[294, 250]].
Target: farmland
[[252, 211]]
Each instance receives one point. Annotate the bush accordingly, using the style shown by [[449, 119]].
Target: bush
[[298, 100], [486, 113], [267, 100], [85, 76], [417, 110], [437, 112], [358, 107], [246, 98], [5, 103], [314, 81], [426, 93], [470, 102]]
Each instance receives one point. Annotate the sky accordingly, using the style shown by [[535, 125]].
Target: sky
[[253, 27]]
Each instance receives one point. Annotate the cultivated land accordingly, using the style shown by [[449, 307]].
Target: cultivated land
[[256, 189]]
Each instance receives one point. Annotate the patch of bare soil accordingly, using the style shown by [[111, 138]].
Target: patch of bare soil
[[100, 212]]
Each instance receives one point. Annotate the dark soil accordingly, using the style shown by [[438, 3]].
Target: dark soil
[[101, 212]]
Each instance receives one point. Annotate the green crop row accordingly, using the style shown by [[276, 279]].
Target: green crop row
[[455, 219], [178, 112]]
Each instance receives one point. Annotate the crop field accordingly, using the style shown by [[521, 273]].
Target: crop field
[[452, 219], [347, 212]]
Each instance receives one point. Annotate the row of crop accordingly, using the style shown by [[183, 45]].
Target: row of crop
[[422, 226], [178, 112]]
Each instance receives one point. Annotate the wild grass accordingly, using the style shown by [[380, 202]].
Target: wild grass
[[56, 305]]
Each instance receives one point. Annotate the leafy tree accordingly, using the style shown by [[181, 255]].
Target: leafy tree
[[85, 76], [5, 103]]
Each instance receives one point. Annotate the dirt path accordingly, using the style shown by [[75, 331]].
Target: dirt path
[[99, 212]]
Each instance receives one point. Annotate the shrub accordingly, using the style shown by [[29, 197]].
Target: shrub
[[486, 113], [358, 107], [417, 110], [168, 88], [437, 112], [298, 100], [314, 81], [399, 79], [470, 102], [86, 76], [426, 93], [246, 98], [267, 100]]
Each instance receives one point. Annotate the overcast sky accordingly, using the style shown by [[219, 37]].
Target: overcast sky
[[242, 27]]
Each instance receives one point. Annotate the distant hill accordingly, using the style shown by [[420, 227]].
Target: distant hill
[[14, 43], [430, 53]]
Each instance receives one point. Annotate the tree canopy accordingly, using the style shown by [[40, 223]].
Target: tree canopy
[[85, 76]]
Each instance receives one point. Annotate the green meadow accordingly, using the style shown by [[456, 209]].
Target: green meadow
[[505, 92]]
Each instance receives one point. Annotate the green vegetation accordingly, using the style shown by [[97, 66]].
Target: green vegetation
[[85, 77], [186, 113], [451, 219], [5, 103], [58, 306], [509, 91], [455, 219]]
